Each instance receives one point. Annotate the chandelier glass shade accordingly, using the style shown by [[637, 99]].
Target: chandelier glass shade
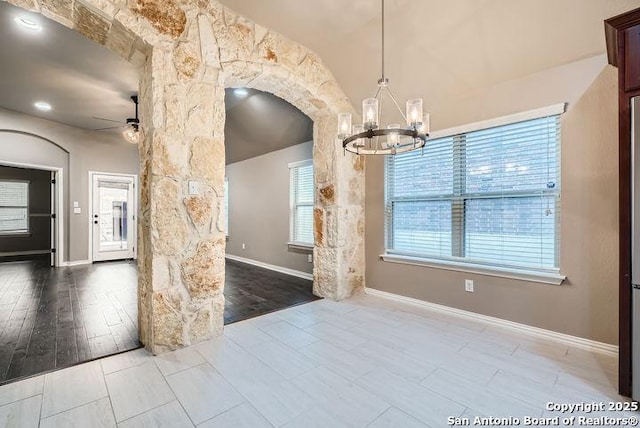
[[374, 138]]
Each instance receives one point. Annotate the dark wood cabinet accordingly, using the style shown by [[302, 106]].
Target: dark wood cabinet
[[632, 58], [623, 50]]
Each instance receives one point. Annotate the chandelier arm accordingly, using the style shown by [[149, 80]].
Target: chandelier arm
[[393, 98], [378, 92]]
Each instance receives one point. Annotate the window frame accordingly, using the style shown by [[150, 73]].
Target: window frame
[[226, 207], [294, 204], [459, 197], [20, 232]]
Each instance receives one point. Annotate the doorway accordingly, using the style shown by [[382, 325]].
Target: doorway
[[269, 258], [113, 222], [30, 213]]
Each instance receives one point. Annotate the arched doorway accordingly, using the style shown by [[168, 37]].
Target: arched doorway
[[189, 53]]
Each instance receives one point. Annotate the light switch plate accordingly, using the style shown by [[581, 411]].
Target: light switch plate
[[193, 188], [76, 204], [77, 210]]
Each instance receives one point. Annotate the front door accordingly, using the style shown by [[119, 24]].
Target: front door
[[113, 217]]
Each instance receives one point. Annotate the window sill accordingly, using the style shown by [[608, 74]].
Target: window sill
[[300, 246], [519, 274], [15, 234]]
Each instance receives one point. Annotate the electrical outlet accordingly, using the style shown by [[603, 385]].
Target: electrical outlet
[[244, 247], [310, 258], [468, 285]]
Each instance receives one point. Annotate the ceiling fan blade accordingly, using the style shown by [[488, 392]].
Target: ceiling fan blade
[[108, 120], [110, 127]]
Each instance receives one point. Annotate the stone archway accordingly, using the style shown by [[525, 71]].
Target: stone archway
[[189, 52]]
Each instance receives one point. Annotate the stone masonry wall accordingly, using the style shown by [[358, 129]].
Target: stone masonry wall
[[188, 52]]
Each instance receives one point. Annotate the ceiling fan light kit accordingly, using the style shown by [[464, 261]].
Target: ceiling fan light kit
[[371, 138], [132, 133], [132, 125]]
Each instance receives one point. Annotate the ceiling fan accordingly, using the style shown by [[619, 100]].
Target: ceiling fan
[[132, 124]]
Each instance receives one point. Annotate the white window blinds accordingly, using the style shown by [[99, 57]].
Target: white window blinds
[[14, 206], [301, 198], [489, 197]]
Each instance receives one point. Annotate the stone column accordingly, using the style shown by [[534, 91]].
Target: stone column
[[182, 185], [338, 215]]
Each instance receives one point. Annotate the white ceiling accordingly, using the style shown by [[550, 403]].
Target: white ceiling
[[438, 49], [78, 77], [82, 79], [259, 123]]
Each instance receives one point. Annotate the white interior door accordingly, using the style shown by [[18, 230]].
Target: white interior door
[[113, 217]]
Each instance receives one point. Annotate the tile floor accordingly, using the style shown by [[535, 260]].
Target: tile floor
[[363, 362]]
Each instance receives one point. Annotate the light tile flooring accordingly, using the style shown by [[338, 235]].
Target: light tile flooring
[[363, 362]]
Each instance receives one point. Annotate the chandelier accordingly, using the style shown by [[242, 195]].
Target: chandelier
[[370, 138]]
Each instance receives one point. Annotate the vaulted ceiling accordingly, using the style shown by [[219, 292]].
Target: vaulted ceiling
[[439, 49]]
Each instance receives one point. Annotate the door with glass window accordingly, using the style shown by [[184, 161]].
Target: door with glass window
[[113, 217]]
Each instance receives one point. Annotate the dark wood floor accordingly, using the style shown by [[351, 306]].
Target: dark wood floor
[[250, 291], [53, 318]]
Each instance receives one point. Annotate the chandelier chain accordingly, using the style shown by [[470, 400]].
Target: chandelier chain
[[383, 40]]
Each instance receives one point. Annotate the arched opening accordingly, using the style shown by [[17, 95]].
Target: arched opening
[[269, 204], [58, 85], [188, 54]]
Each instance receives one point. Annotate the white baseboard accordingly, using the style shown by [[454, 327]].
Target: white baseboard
[[25, 253], [567, 339], [77, 263], [280, 269]]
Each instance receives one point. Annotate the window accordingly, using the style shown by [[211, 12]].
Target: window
[[226, 206], [485, 197], [14, 207], [301, 202]]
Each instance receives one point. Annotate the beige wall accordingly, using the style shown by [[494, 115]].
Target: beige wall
[[259, 208], [88, 151], [586, 305]]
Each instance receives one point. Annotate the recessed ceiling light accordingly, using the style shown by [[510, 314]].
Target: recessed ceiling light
[[41, 105], [241, 92], [28, 23]]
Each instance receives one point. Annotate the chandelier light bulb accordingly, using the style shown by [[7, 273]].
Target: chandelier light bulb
[[394, 138], [344, 125], [414, 113], [370, 113]]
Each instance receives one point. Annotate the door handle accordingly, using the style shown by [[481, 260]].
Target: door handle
[[95, 216]]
